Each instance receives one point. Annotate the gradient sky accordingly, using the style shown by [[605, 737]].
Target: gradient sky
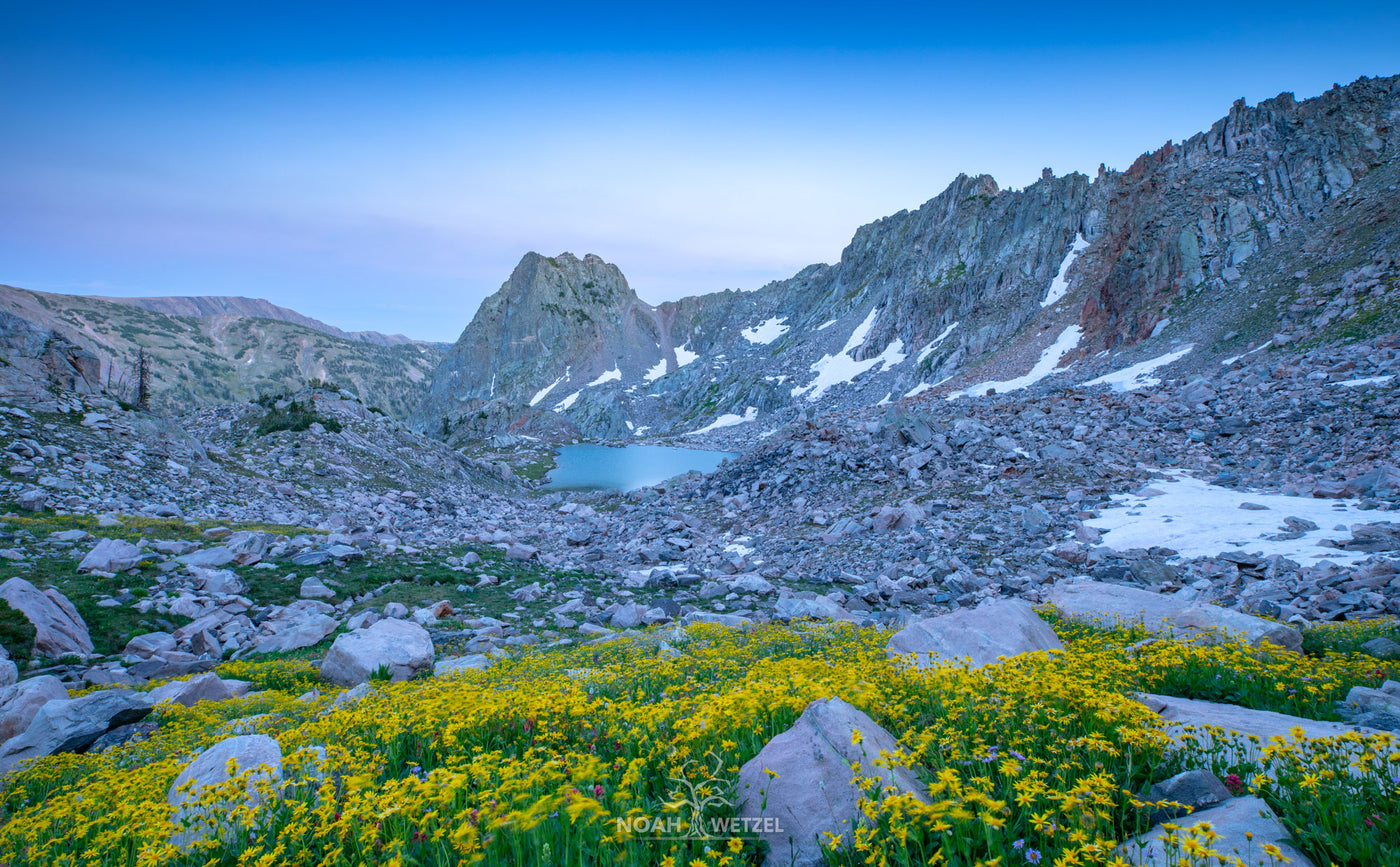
[[384, 166]]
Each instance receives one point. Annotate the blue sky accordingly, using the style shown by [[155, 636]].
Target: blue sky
[[385, 166]]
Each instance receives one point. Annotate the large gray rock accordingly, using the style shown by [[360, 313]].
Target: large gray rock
[[32, 499], [459, 664], [793, 607], [201, 687], [71, 724], [1193, 720], [19, 703], [403, 647], [314, 588], [296, 634], [1243, 826], [1192, 790], [112, 555], [812, 794], [1004, 628], [208, 558], [150, 644], [259, 754], [58, 628], [1166, 614]]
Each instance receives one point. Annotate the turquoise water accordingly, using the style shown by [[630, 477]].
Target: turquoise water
[[592, 467]]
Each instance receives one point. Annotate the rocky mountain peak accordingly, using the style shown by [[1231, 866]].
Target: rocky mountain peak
[[979, 286]]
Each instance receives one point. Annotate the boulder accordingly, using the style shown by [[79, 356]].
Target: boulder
[[1004, 628], [208, 558], [1166, 614], [796, 607], [458, 664], [32, 499], [71, 724], [314, 588], [58, 628], [1192, 720], [259, 754], [809, 792], [220, 582], [112, 555], [1385, 700], [1382, 648], [1193, 790], [19, 703], [294, 634], [150, 644], [404, 648], [1384, 481], [1242, 825], [201, 687]]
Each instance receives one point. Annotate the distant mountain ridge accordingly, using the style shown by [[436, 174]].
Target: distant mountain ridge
[[202, 351], [1207, 243], [259, 308]]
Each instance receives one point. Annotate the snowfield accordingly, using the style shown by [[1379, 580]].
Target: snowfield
[[1140, 375], [1060, 285], [832, 370], [1198, 519], [765, 332], [542, 393], [614, 375], [729, 419], [1049, 360]]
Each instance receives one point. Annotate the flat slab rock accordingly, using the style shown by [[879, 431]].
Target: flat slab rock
[[1004, 628], [1232, 821], [1189, 717], [1165, 613], [812, 793]]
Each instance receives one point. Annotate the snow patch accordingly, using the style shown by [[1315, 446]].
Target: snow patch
[[1198, 519], [766, 332], [729, 419], [835, 369], [567, 402], [614, 375], [1059, 286], [540, 395], [918, 389], [1139, 375], [1232, 359], [825, 325], [1049, 360], [736, 548], [684, 356], [656, 371], [1160, 327], [1367, 380], [928, 350]]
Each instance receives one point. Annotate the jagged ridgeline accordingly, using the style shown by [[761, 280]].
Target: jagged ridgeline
[[1202, 241], [201, 351]]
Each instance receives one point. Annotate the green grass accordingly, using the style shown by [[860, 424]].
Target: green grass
[[16, 632]]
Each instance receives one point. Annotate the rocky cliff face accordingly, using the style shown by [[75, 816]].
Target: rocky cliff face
[[1192, 215], [1197, 244], [37, 363]]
